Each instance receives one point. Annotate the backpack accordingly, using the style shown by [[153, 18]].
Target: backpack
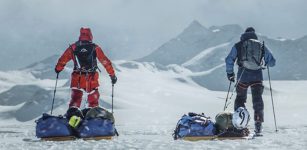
[[223, 121], [225, 128], [250, 54], [194, 125], [99, 112], [85, 57]]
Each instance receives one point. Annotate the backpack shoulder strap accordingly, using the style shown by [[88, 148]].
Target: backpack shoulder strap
[[238, 46], [262, 49]]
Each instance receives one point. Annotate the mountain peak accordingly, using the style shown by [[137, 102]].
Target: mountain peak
[[196, 24], [195, 28]]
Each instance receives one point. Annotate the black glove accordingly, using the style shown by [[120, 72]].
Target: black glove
[[231, 77], [113, 79]]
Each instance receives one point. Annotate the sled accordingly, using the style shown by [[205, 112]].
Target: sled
[[207, 138], [63, 138], [71, 138], [97, 138]]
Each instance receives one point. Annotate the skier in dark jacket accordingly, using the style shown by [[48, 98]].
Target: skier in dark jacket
[[250, 55]]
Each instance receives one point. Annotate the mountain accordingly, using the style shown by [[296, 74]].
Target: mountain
[[44, 69], [29, 102], [200, 49], [18, 94], [40, 102], [194, 39], [291, 57]]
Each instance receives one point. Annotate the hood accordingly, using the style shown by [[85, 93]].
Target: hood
[[85, 34], [248, 35]]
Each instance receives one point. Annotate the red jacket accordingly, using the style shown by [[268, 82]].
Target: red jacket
[[82, 81]]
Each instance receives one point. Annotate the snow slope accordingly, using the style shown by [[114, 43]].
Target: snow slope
[[149, 101], [204, 53]]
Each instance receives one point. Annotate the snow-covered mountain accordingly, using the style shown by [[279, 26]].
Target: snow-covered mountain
[[44, 69], [201, 49], [193, 40]]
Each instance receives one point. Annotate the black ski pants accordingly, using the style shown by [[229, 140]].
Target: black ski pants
[[257, 90]]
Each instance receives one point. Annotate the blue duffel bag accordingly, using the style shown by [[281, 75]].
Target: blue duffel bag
[[52, 126], [98, 122], [96, 127], [194, 125]]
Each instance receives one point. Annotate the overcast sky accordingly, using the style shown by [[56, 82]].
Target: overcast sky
[[132, 27]]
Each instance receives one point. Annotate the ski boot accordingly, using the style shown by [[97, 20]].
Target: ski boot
[[258, 129]]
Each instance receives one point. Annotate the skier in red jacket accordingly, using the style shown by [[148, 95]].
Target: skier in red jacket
[[84, 76]]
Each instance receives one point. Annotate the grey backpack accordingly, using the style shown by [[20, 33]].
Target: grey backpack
[[223, 121], [250, 54]]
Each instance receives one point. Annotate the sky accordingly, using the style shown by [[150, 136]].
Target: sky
[[32, 30]]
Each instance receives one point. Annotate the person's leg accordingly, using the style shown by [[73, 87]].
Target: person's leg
[[257, 90], [93, 98], [76, 98], [241, 95]]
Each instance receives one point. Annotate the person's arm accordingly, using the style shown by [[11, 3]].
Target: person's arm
[[230, 60], [103, 59], [268, 57], [66, 57]]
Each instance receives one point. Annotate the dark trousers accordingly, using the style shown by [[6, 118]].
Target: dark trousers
[[257, 90]]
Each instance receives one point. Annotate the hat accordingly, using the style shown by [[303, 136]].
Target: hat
[[250, 29], [85, 34]]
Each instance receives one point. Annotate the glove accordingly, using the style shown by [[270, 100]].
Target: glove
[[231, 77], [113, 79], [57, 71]]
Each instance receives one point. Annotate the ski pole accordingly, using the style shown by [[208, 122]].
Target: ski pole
[[272, 98], [227, 95], [56, 83], [112, 106], [237, 84], [235, 87], [112, 96]]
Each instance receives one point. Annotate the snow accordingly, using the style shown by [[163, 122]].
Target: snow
[[10, 108], [149, 102], [216, 30], [12, 78], [208, 71], [203, 54], [281, 39]]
